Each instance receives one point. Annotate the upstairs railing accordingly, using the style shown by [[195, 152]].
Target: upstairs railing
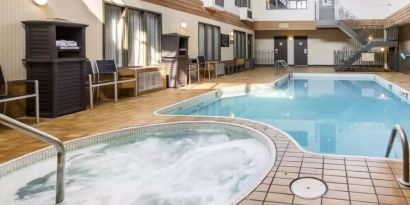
[[375, 60], [362, 33]]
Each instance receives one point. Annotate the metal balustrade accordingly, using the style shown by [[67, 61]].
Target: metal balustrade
[[365, 35]]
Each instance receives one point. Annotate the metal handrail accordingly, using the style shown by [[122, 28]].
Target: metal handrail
[[284, 64], [59, 146], [405, 146]]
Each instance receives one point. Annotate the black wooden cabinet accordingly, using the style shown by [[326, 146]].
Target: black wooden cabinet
[[59, 70], [175, 58]]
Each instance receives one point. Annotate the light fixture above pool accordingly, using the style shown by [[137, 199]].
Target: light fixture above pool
[[40, 2]]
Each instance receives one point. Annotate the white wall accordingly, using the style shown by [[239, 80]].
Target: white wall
[[321, 44], [171, 20], [12, 33], [395, 5], [363, 9]]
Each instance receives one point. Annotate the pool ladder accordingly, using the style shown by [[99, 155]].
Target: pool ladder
[[284, 64], [59, 146], [405, 181]]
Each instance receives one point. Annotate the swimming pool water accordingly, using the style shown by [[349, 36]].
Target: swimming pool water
[[324, 115]]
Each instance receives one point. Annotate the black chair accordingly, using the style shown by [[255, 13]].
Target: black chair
[[95, 82], [110, 67], [30, 85]]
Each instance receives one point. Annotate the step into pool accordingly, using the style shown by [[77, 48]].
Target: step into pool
[[343, 114]]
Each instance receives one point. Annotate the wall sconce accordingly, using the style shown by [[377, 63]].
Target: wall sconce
[[231, 38], [40, 2], [290, 38], [184, 25], [382, 49], [370, 38]]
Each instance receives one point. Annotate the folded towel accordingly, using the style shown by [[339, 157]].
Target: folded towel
[[72, 43], [65, 43]]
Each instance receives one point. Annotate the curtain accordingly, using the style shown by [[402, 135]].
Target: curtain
[[201, 40], [235, 45], [135, 35], [209, 43], [243, 45], [152, 39], [114, 33], [239, 45], [217, 42]]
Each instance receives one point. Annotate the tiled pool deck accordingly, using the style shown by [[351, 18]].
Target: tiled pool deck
[[350, 180]]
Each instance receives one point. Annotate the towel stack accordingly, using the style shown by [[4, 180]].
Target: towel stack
[[64, 44]]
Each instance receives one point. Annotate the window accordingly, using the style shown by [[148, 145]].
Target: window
[[243, 3], [209, 43], [239, 49], [131, 36], [286, 4]]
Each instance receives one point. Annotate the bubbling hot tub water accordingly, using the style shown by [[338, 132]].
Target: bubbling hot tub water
[[167, 168]]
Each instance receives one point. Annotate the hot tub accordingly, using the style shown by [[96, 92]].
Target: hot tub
[[176, 163]]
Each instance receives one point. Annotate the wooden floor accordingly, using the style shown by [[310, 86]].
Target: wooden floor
[[137, 111]]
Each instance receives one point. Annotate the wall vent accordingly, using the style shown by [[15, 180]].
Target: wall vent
[[149, 80]]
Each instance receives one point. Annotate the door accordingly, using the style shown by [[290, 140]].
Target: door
[[281, 48], [301, 50], [326, 10]]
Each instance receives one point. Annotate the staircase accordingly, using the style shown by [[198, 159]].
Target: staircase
[[364, 36]]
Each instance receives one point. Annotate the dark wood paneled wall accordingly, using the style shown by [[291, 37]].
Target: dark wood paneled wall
[[196, 7]]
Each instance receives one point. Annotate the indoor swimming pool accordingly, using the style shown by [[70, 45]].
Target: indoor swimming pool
[[324, 113]]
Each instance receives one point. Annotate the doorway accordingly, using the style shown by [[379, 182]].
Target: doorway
[[281, 48], [301, 50]]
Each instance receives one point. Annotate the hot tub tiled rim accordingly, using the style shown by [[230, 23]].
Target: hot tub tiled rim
[[125, 134]]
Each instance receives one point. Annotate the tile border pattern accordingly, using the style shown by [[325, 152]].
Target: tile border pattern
[[128, 134]]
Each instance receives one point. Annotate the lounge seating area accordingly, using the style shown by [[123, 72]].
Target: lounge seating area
[[106, 74]]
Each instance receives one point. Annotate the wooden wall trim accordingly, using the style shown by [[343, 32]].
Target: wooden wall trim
[[196, 7], [401, 16], [284, 25]]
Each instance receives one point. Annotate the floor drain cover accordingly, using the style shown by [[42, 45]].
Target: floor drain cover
[[308, 188]]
